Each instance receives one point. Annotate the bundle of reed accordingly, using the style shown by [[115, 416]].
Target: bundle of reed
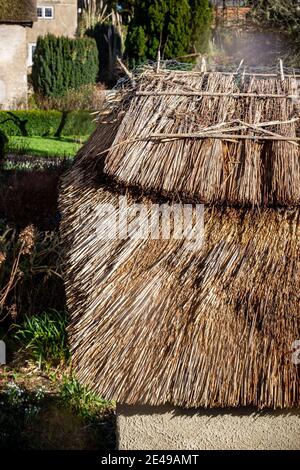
[[210, 136], [155, 321]]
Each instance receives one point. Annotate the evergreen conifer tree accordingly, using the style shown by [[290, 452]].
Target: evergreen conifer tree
[[201, 18], [62, 64], [159, 25]]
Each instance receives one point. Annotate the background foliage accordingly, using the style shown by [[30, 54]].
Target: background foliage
[[176, 28], [62, 64], [282, 13], [45, 123], [158, 24]]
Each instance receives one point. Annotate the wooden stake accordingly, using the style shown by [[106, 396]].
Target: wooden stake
[[244, 74], [125, 69], [203, 65], [281, 70], [221, 137], [158, 61], [209, 93], [240, 66]]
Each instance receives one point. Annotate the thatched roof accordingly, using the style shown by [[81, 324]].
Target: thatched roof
[[160, 321], [18, 11], [162, 145]]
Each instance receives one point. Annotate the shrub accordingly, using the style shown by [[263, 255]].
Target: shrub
[[136, 47], [79, 123], [81, 99], [27, 123], [45, 337], [3, 142], [280, 13], [34, 418], [45, 123], [19, 409], [62, 64]]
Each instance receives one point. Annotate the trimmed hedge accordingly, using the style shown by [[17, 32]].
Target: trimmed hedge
[[61, 64], [43, 123]]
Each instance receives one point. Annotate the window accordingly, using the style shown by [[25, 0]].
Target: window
[[31, 50], [45, 13], [48, 12]]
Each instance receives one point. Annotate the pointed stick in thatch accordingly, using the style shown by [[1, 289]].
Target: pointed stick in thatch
[[203, 68], [125, 69], [281, 70], [158, 61], [239, 67]]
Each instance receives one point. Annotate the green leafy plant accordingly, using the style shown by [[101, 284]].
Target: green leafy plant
[[93, 12], [280, 13], [81, 400], [19, 409], [45, 337], [18, 397]]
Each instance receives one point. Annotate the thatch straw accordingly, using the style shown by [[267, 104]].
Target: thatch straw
[[18, 11], [242, 166], [157, 321], [153, 322]]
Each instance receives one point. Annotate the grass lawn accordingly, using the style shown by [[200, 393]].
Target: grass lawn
[[46, 146]]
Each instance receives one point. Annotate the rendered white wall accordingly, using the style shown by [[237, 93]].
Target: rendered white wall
[[167, 428], [13, 66]]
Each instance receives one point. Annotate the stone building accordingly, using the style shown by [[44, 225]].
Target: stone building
[[58, 17], [21, 22], [16, 18]]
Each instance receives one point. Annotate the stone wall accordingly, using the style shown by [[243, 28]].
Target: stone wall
[[13, 67], [166, 428]]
